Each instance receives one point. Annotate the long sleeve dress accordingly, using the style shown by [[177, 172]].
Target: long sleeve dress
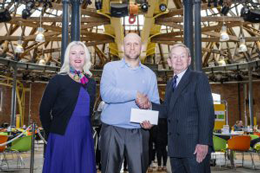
[[73, 151]]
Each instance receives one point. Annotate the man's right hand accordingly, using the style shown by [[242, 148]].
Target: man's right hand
[[142, 101]]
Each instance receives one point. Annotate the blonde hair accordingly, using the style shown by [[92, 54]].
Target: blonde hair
[[66, 65], [180, 45]]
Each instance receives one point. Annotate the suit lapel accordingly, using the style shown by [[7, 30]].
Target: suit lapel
[[186, 78]]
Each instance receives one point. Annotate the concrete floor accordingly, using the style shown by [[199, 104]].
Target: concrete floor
[[12, 161]]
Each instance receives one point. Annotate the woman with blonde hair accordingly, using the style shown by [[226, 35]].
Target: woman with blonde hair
[[65, 111]]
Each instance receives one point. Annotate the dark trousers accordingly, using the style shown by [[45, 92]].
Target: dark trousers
[[190, 165], [98, 154], [152, 151], [117, 143], [161, 154]]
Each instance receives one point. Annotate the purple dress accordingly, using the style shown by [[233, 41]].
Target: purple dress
[[73, 152]]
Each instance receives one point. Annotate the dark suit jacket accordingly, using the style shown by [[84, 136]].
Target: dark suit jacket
[[190, 113]]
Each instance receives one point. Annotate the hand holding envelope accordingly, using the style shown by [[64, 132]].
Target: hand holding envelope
[[143, 116]]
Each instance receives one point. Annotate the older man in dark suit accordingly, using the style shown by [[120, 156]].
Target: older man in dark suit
[[189, 109]]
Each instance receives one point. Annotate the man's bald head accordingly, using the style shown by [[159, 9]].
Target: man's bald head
[[132, 36]]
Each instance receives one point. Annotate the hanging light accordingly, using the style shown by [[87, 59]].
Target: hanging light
[[242, 47], [42, 61], [40, 36], [222, 61], [19, 47], [223, 34]]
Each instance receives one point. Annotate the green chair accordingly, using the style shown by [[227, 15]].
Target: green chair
[[20, 145], [220, 145], [254, 137], [256, 148], [4, 133]]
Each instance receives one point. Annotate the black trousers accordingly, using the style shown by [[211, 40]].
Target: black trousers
[[190, 165], [119, 143], [161, 154]]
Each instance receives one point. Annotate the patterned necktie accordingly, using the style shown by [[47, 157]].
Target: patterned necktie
[[174, 82]]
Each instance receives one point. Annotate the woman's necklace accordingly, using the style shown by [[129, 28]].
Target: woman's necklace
[[78, 76]]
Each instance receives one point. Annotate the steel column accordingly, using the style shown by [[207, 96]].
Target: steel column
[[65, 28], [75, 20], [245, 103], [32, 149], [239, 101], [198, 55], [13, 104], [250, 97], [188, 27]]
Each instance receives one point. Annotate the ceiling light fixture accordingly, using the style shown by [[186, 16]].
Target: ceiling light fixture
[[163, 7], [42, 61], [19, 47], [40, 36], [222, 61], [27, 11], [5, 15], [242, 41], [144, 7], [223, 34], [242, 47]]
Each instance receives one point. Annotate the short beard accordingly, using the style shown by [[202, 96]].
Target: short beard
[[135, 58]]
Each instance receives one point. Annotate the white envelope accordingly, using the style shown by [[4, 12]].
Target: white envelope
[[140, 115]]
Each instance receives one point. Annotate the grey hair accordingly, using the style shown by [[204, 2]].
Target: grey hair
[[66, 65], [181, 45]]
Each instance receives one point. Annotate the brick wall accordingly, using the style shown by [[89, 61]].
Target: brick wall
[[37, 90], [229, 92], [6, 102]]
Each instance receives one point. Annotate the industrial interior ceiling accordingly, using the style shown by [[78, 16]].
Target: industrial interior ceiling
[[159, 22]]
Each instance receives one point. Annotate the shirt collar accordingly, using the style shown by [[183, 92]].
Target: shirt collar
[[124, 64], [181, 74]]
